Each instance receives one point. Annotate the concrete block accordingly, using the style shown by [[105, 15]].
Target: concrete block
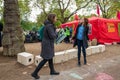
[[72, 53], [101, 48], [25, 58], [89, 51], [95, 49], [65, 56], [108, 44], [38, 59], [59, 57]]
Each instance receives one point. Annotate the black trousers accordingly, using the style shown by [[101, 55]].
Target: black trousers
[[42, 63], [80, 45], [67, 39]]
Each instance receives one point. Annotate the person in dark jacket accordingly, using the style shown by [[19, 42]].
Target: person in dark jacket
[[47, 51], [81, 39]]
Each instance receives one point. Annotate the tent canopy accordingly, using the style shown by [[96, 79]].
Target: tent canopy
[[104, 30]]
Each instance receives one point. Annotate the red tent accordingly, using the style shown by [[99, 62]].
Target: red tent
[[104, 30]]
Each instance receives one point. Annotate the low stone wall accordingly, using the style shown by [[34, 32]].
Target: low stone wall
[[61, 56]]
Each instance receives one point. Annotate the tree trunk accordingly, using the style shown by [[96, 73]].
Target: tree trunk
[[13, 41], [104, 14]]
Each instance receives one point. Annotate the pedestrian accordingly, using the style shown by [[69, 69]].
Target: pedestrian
[[67, 33], [47, 51], [81, 39]]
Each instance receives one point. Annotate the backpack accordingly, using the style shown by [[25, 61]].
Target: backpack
[[40, 32]]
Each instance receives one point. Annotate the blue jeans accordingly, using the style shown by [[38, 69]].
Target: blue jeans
[[80, 45]]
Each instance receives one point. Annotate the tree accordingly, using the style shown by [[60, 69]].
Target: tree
[[40, 19], [13, 42], [80, 5], [111, 13], [24, 9], [61, 7], [27, 25], [108, 7], [1, 9]]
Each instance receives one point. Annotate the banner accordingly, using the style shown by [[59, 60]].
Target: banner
[[118, 15], [98, 10], [76, 17]]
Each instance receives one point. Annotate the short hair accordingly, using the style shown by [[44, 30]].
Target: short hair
[[51, 17], [86, 22]]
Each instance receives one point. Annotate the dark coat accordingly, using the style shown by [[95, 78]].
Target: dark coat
[[49, 35], [85, 36]]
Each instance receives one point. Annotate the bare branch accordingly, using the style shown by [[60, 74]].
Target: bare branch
[[109, 8], [98, 2], [78, 9], [67, 5], [59, 4], [63, 4], [61, 10], [41, 8], [38, 6]]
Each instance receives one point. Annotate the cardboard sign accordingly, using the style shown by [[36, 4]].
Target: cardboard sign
[[61, 36], [111, 27]]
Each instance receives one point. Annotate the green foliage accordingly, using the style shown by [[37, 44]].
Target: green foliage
[[80, 2], [63, 10], [2, 20], [114, 8], [1, 8], [57, 24], [108, 7], [24, 9], [60, 7], [58, 13], [71, 18], [27, 25], [40, 19], [119, 29]]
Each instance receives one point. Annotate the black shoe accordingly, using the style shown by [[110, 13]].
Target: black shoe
[[54, 73], [35, 76], [85, 62], [79, 64]]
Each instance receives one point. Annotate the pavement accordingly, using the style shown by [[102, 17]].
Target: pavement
[[90, 71]]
